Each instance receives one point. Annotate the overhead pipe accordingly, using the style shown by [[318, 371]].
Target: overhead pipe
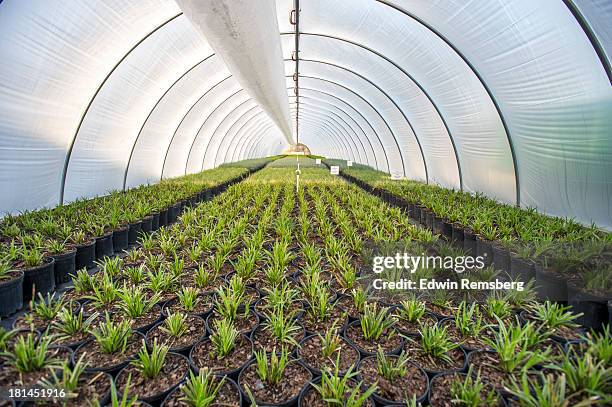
[[245, 34]]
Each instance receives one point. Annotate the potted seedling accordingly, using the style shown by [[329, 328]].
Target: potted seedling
[[154, 373], [64, 256], [11, 288], [189, 300], [71, 327], [204, 390], [225, 352], [555, 318], [374, 329], [41, 313], [462, 389], [435, 351], [336, 389], [273, 380], [140, 310], [321, 311], [468, 327], [30, 360], [319, 352], [397, 380], [229, 305], [509, 356], [410, 315], [37, 270], [80, 388], [178, 331], [279, 329], [113, 346]]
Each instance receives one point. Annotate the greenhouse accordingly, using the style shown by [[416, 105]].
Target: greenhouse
[[308, 203]]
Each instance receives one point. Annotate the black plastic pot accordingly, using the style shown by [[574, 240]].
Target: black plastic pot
[[104, 246], [39, 279], [173, 213], [457, 235], [163, 217], [429, 220], [594, 307], [120, 239], [550, 285], [157, 398], [133, 232], [484, 250], [522, 269], [11, 295], [288, 403], [469, 242], [155, 221], [64, 266], [147, 224], [381, 401], [609, 314], [85, 256], [501, 258]]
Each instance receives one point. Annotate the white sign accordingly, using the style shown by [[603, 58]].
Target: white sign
[[334, 170], [349, 163], [318, 161]]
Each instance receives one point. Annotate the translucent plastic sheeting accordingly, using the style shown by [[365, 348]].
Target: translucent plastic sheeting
[[359, 119], [428, 125], [245, 34], [145, 165], [532, 59], [358, 134], [119, 110], [54, 57], [229, 141], [184, 136], [460, 97], [598, 14], [370, 112], [343, 135]]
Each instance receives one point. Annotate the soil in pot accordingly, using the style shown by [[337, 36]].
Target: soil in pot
[[440, 392], [100, 361], [295, 377], [335, 316], [203, 307], [204, 355], [11, 293], [456, 360], [172, 373], [245, 324], [11, 377], [488, 364], [469, 343], [408, 328], [399, 390], [92, 386], [228, 395], [390, 340], [263, 339], [195, 332], [310, 397], [311, 353], [142, 323]]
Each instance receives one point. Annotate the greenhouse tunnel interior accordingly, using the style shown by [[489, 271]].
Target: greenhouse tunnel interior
[[236, 202], [508, 99]]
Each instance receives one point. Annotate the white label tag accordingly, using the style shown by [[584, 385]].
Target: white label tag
[[334, 170], [318, 161], [349, 163]]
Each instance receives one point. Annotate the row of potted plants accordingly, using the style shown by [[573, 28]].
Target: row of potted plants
[[39, 250], [262, 295], [569, 262]]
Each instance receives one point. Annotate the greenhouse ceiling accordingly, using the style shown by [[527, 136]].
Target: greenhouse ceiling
[[512, 99]]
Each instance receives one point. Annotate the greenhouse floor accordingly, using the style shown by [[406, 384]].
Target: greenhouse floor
[[266, 295]]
